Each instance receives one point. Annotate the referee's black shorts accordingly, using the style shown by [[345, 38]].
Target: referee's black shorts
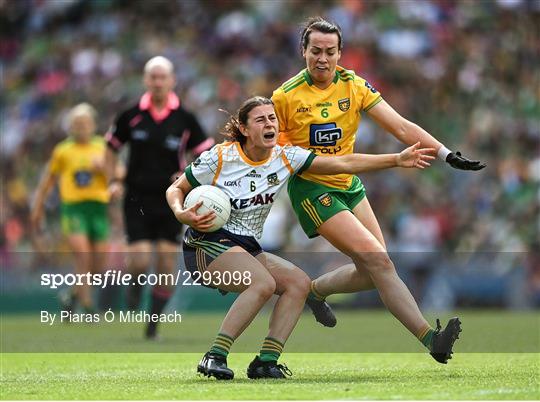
[[148, 217]]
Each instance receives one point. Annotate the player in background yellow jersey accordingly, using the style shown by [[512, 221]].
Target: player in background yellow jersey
[[320, 109], [77, 164]]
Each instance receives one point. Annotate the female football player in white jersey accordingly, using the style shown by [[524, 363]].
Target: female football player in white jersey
[[251, 169], [320, 109]]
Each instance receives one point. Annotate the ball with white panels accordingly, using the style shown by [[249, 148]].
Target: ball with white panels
[[214, 200]]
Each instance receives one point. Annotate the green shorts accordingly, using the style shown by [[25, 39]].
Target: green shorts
[[89, 218], [315, 203]]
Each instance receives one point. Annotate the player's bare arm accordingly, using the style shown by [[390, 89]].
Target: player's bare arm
[[45, 185], [410, 133], [111, 159], [411, 157], [111, 169], [175, 197]]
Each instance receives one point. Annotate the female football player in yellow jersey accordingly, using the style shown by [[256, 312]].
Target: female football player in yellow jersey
[[233, 250], [319, 109], [77, 164]]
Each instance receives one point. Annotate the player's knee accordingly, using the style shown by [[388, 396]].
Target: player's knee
[[375, 263], [382, 264], [300, 285], [264, 286], [362, 279]]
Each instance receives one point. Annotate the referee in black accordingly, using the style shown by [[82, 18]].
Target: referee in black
[[159, 132]]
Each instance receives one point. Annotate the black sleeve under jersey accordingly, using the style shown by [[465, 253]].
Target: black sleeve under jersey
[[119, 133], [198, 136]]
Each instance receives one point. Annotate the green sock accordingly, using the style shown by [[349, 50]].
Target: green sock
[[222, 345], [427, 338], [271, 350], [314, 294]]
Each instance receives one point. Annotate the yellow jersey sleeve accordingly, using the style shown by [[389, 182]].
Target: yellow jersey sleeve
[[280, 106], [55, 163], [367, 95]]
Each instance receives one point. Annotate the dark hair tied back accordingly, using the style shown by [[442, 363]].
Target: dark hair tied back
[[231, 130], [321, 25]]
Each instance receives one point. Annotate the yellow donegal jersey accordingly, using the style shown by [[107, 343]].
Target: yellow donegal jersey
[[72, 163], [324, 121]]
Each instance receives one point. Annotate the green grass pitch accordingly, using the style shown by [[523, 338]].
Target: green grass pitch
[[316, 376], [404, 371]]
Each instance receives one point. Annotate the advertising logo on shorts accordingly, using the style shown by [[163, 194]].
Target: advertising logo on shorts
[[324, 134]]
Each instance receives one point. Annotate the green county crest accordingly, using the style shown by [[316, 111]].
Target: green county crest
[[325, 200], [273, 179], [344, 104]]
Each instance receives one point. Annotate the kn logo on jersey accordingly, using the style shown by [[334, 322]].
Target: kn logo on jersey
[[324, 134]]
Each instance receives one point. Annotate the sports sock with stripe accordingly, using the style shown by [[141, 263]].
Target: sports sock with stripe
[[222, 344], [426, 337], [314, 294], [271, 350]]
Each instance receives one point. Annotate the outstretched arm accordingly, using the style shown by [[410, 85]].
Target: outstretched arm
[[175, 197], [410, 133], [411, 157]]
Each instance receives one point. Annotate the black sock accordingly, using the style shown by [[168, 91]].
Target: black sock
[[159, 300], [134, 293]]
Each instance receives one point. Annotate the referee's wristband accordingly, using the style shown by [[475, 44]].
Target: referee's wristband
[[443, 152]]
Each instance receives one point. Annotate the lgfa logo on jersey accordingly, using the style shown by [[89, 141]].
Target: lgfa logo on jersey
[[232, 183], [325, 200], [273, 179], [344, 104]]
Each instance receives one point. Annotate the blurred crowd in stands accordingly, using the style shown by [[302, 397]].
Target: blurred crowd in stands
[[467, 71]]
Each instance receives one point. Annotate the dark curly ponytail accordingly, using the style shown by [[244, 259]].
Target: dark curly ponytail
[[231, 130]]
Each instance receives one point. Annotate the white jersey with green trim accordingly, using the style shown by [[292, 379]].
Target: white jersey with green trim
[[251, 186]]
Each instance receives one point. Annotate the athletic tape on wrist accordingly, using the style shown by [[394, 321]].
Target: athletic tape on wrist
[[443, 153]]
